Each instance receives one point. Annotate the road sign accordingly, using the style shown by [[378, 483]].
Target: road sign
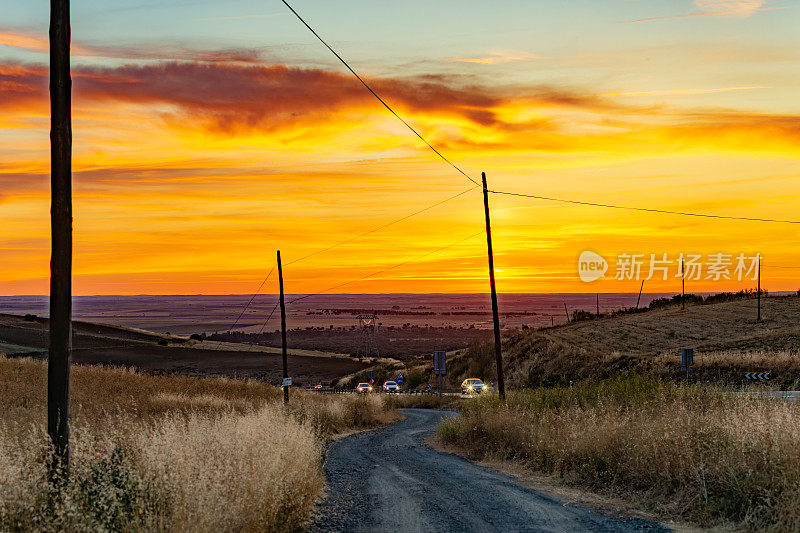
[[757, 376], [287, 382], [687, 359], [439, 363], [400, 378], [371, 376]]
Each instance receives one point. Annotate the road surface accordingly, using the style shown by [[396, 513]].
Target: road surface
[[388, 480]]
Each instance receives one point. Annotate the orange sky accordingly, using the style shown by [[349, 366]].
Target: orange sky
[[191, 172]]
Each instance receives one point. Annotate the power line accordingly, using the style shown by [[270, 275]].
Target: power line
[[264, 325], [509, 193], [252, 298], [646, 209], [346, 241], [381, 100], [406, 217], [386, 269]]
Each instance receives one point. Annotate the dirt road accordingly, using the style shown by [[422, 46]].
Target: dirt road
[[388, 480]]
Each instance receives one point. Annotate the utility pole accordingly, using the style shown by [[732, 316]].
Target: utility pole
[[640, 294], [566, 312], [759, 287], [598, 304], [501, 385], [683, 285], [284, 351], [60, 342]]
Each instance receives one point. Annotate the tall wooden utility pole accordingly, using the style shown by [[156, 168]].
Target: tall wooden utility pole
[[284, 350], [61, 238], [498, 350], [598, 305], [759, 287]]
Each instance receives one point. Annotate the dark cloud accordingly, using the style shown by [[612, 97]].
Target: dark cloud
[[229, 96]]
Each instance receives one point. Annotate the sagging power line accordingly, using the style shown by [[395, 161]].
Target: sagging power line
[[646, 209], [381, 100], [346, 241], [511, 193], [305, 296]]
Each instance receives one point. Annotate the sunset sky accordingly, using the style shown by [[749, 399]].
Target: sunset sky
[[209, 134]]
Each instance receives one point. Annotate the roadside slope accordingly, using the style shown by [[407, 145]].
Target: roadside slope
[[649, 342]]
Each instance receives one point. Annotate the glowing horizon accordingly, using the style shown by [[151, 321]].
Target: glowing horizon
[[198, 152]]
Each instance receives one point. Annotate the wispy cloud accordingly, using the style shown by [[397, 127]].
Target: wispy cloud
[[686, 91], [717, 8], [34, 42], [497, 58]]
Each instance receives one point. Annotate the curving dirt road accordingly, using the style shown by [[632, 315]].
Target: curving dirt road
[[388, 480]]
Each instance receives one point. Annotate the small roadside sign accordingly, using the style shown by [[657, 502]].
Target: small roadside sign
[[287, 382], [400, 378], [439, 363], [687, 359], [757, 376], [371, 376]]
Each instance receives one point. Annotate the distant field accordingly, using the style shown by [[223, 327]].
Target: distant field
[[397, 342], [187, 314], [110, 345]]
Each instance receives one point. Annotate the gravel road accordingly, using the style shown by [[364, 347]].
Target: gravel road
[[388, 480]]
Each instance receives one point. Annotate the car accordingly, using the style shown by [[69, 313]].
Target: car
[[318, 387], [473, 386], [391, 386], [364, 388]]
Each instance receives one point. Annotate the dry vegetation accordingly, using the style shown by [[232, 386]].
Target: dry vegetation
[[705, 454], [727, 339], [168, 453]]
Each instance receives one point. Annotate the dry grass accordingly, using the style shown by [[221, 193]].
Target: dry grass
[[168, 453], [649, 343], [701, 454], [420, 401]]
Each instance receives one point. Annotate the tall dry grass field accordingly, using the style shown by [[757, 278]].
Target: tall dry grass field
[[168, 453], [707, 455]]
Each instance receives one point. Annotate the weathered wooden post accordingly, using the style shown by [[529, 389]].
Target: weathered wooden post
[[60, 342]]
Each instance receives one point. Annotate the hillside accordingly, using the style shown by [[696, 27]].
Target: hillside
[[726, 337], [157, 353]]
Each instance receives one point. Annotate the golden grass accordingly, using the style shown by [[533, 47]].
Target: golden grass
[[709, 456], [420, 401], [168, 453]]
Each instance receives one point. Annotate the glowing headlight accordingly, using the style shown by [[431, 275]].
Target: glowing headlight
[[470, 388]]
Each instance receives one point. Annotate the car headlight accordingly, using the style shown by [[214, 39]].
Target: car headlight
[[470, 388]]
